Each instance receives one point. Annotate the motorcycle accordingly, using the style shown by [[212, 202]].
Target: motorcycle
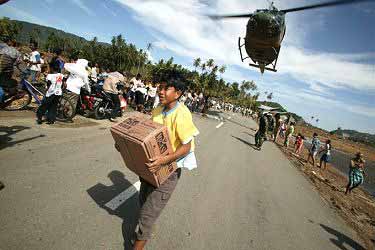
[[104, 108], [87, 101]]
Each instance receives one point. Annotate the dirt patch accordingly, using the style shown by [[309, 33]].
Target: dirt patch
[[19, 114], [357, 208], [29, 114], [78, 122]]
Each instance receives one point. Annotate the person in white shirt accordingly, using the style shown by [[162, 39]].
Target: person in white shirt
[[133, 84], [78, 78], [140, 92], [94, 73], [34, 62], [151, 95], [110, 86], [49, 103]]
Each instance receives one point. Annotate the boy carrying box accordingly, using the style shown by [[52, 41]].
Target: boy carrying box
[[178, 119]]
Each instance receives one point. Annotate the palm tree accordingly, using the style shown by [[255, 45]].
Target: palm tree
[[222, 69], [253, 86], [269, 97], [245, 86], [203, 67], [210, 63], [197, 63]]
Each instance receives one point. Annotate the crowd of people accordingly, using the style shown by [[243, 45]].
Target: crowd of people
[[76, 75], [274, 128]]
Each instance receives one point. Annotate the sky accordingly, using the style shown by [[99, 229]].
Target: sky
[[326, 66]]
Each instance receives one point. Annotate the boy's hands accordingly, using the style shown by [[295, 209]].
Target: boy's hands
[[157, 162]]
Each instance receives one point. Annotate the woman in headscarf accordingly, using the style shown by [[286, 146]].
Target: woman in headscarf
[[356, 171]]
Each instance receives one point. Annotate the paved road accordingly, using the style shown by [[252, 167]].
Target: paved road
[[58, 181]]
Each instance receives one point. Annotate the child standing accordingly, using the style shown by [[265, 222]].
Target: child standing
[[49, 103], [299, 144], [326, 157], [178, 119]]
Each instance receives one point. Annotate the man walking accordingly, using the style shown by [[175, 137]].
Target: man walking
[[260, 135]]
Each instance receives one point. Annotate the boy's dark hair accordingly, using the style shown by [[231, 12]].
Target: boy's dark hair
[[58, 51], [328, 141], [177, 84], [315, 134], [74, 57], [139, 75], [54, 65]]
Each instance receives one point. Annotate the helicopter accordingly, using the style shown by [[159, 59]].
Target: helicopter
[[265, 32]]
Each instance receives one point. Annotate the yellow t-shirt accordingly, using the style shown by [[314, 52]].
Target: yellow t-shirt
[[179, 122]]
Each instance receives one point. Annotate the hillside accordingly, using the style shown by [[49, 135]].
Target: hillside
[[27, 29], [356, 136]]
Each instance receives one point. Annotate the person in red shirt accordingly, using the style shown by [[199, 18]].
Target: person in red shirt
[[299, 144]]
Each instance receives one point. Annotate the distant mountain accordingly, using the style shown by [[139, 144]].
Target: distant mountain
[[353, 135], [44, 31]]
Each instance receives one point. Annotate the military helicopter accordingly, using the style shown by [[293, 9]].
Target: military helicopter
[[266, 30]]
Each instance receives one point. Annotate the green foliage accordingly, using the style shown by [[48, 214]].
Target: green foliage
[[8, 29]]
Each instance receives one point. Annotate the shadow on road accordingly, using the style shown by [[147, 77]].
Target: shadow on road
[[249, 134], [246, 142], [128, 211], [6, 132], [214, 112], [239, 124], [342, 239]]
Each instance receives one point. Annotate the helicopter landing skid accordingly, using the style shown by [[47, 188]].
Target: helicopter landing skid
[[240, 48], [257, 66]]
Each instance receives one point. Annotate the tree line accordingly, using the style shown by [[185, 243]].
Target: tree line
[[122, 56]]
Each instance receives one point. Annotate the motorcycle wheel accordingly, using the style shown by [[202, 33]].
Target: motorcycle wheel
[[65, 109], [99, 112], [86, 113], [21, 101]]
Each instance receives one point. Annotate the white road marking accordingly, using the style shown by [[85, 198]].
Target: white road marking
[[123, 196], [220, 124]]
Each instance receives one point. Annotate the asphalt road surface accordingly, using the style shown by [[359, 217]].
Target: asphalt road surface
[[68, 188]]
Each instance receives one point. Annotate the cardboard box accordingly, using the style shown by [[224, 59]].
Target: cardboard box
[[139, 139]]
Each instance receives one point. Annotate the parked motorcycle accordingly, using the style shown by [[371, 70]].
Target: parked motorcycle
[[104, 109], [87, 102]]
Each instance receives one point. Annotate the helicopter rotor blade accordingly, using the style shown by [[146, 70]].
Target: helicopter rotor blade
[[320, 5], [216, 17]]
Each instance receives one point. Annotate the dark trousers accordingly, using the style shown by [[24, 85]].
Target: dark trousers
[[49, 105], [152, 201], [259, 138], [150, 102], [116, 111]]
